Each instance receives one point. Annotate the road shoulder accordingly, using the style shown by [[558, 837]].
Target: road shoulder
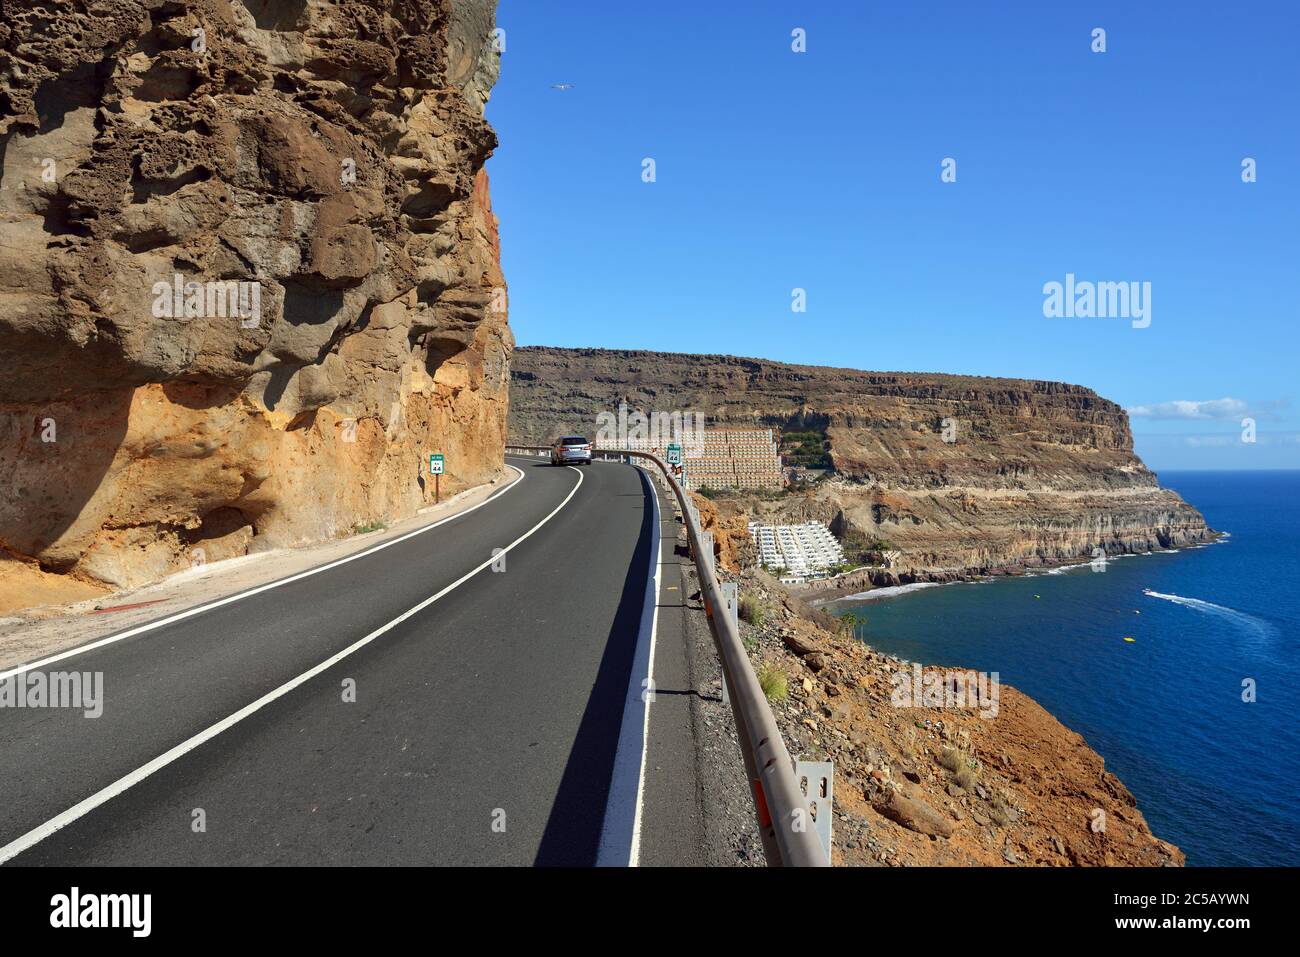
[[39, 632], [696, 809]]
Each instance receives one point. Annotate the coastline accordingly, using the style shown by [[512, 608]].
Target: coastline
[[844, 588], [938, 783]]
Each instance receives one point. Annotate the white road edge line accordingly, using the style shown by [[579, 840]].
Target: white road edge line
[[620, 832], [199, 609], [42, 831]]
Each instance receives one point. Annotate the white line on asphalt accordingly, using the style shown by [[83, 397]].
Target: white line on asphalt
[[41, 832], [620, 832], [189, 612]]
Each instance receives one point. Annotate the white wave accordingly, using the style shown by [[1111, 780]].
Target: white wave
[[1210, 608], [1062, 569], [889, 591]]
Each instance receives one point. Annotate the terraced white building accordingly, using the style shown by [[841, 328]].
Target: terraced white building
[[796, 552]]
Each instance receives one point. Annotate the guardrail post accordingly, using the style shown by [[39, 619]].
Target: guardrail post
[[817, 783], [731, 608], [690, 516]]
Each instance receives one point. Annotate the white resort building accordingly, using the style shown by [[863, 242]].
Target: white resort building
[[796, 553]]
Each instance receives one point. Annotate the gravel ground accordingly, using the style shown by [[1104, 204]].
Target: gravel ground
[[730, 827], [729, 820]]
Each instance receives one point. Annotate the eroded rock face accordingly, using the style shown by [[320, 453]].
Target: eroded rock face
[[249, 274], [950, 475]]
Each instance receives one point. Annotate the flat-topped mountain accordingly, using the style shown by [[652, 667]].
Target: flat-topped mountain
[[957, 474]]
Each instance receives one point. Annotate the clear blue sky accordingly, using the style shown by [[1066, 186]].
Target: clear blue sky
[[821, 170]]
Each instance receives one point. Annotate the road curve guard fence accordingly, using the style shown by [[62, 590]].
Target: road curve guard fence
[[784, 819]]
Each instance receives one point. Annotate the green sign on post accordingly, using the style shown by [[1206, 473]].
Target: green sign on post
[[436, 463], [674, 454]]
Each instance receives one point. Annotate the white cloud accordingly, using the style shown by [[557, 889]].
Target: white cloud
[[1184, 409]]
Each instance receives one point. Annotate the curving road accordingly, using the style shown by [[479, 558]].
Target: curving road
[[490, 693]]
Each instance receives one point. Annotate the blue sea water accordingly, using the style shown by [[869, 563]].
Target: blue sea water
[[1215, 775]]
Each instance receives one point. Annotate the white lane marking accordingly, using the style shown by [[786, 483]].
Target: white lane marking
[[620, 832], [41, 832], [189, 612]]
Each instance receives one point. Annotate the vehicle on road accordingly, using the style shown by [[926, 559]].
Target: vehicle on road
[[571, 450]]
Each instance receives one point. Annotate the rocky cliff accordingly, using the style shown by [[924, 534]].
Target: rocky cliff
[[938, 782], [249, 274], [942, 475]]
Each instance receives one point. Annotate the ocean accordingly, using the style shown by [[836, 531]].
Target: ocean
[[1212, 773]]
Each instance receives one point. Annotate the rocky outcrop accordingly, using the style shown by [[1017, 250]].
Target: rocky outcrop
[[953, 782], [249, 277], [725, 521], [935, 476]]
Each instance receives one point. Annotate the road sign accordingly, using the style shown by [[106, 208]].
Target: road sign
[[674, 454], [435, 463]]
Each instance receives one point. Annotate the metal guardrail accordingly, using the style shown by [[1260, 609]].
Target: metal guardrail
[[785, 821]]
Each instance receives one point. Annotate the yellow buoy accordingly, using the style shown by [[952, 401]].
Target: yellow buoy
[[1127, 638]]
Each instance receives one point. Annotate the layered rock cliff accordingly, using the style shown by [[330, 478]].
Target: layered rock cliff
[[944, 475], [249, 274]]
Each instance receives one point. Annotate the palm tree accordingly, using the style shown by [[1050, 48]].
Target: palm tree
[[849, 623]]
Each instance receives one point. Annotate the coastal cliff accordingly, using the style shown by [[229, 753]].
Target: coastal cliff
[[990, 782], [249, 279], [936, 476]]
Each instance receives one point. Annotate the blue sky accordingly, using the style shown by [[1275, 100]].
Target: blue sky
[[778, 170]]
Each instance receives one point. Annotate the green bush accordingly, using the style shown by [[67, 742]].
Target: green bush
[[774, 683], [809, 450], [752, 610]]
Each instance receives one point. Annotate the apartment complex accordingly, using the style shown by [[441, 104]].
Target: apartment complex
[[796, 552], [724, 458], [735, 458]]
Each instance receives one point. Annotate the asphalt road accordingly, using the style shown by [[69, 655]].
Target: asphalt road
[[401, 708]]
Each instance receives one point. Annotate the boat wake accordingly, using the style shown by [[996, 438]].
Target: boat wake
[[1210, 608]]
